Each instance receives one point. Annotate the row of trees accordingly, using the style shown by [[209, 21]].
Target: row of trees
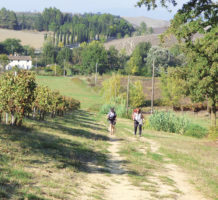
[[20, 96], [73, 28]]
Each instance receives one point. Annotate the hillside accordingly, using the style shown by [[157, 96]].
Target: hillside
[[32, 38], [130, 43], [74, 157], [154, 23], [159, 26]]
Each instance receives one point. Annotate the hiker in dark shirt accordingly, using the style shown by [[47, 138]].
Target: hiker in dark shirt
[[112, 119]]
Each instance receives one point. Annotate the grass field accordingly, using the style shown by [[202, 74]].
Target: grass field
[[51, 160], [72, 87]]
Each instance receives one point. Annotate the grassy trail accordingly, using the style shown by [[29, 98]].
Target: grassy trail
[[74, 158]]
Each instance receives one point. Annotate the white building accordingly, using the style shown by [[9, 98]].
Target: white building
[[22, 62]]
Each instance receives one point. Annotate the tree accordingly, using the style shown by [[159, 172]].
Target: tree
[[161, 58], [113, 58], [3, 61], [64, 55], [94, 53], [111, 89], [8, 19], [136, 94], [12, 45], [197, 16], [137, 62], [49, 53], [173, 85]]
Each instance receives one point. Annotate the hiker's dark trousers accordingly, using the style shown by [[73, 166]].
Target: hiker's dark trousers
[[136, 125]]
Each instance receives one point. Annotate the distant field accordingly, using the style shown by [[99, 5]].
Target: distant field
[[154, 23], [130, 43], [32, 38]]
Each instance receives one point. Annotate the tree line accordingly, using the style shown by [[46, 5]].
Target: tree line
[[85, 58], [66, 26], [20, 96]]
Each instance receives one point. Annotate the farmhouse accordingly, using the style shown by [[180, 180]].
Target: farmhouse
[[22, 62]]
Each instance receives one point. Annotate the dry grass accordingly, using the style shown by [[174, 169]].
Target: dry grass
[[155, 23], [32, 38]]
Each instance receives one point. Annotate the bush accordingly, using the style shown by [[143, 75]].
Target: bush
[[168, 121], [213, 133], [195, 130]]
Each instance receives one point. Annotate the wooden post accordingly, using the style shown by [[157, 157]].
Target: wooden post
[[152, 94], [64, 68], [127, 96], [55, 70], [6, 118], [96, 71]]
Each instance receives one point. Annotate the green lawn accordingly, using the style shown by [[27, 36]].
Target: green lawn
[[72, 87]]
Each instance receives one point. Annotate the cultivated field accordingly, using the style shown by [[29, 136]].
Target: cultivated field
[[32, 38]]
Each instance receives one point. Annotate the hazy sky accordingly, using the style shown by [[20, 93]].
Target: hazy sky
[[116, 7]]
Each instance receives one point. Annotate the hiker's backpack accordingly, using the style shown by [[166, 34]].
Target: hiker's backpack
[[112, 116]]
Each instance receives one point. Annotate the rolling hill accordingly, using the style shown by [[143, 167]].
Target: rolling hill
[[130, 43], [154, 23]]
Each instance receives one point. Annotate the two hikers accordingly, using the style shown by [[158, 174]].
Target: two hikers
[[138, 120], [112, 119], [136, 116]]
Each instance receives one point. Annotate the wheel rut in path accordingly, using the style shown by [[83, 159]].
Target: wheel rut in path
[[187, 191], [120, 187]]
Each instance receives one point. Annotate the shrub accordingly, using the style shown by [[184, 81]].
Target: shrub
[[195, 130], [213, 133], [168, 121]]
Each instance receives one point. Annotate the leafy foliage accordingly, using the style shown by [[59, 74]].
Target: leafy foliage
[[137, 97], [68, 28], [92, 54], [111, 89], [20, 96], [137, 63], [8, 19], [173, 86], [168, 121]]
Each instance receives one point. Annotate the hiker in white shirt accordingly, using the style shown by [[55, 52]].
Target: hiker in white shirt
[[138, 120]]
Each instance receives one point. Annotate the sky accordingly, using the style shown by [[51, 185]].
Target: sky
[[116, 7]]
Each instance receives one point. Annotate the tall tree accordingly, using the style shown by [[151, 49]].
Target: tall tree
[[94, 53], [197, 16], [12, 45]]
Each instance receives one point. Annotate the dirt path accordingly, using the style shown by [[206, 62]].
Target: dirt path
[[116, 184], [120, 186], [185, 190]]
